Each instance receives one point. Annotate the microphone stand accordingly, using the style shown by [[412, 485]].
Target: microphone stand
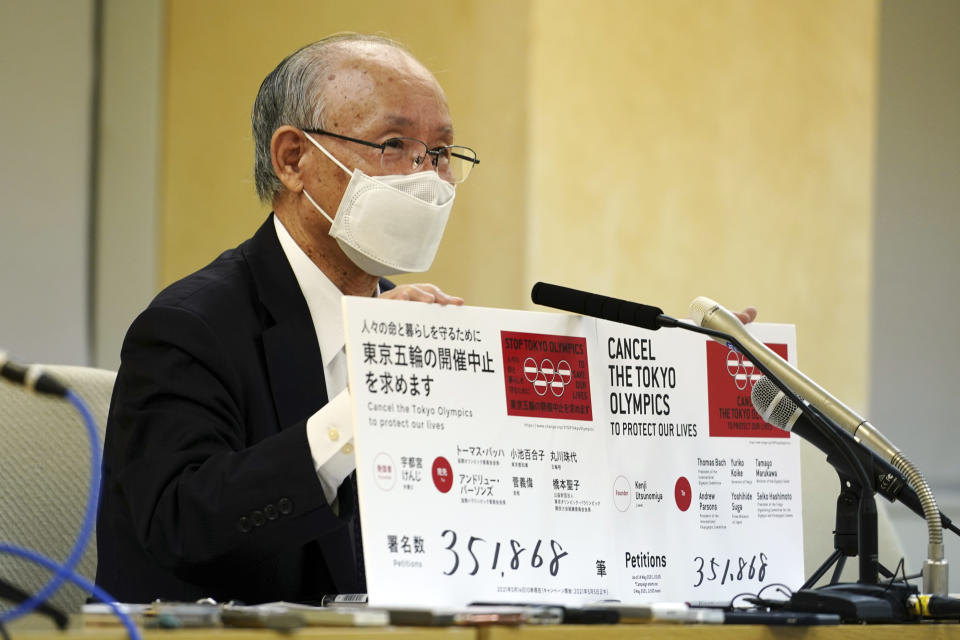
[[845, 534], [845, 529], [847, 524]]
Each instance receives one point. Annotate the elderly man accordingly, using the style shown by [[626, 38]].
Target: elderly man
[[227, 472]]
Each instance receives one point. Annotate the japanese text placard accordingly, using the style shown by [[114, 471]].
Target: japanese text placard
[[509, 456]]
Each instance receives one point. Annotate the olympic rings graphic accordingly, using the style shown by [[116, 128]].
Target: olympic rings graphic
[[743, 372], [547, 377]]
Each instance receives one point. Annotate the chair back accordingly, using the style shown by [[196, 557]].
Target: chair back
[[45, 475]]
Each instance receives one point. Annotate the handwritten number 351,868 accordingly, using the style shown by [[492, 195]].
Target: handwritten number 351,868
[[745, 570], [536, 560]]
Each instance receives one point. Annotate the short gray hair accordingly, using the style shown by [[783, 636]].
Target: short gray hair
[[293, 94]]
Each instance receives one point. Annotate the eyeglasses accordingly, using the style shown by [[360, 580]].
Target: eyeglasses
[[405, 155]]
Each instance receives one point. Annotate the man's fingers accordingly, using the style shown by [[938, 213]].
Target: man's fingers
[[748, 315], [423, 292], [439, 296], [419, 293]]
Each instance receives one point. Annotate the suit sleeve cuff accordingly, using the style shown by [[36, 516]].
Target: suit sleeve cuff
[[330, 436]]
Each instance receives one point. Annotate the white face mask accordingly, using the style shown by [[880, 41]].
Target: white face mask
[[390, 224]]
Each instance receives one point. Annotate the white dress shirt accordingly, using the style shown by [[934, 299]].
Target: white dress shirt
[[329, 430]]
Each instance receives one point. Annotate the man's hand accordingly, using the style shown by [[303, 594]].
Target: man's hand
[[423, 292], [748, 315]]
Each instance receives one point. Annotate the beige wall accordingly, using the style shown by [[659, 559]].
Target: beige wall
[[656, 150], [683, 148]]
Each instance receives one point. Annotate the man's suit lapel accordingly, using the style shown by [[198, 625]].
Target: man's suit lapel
[[294, 362], [295, 368]]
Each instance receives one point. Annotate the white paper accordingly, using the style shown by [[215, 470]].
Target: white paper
[[509, 456]]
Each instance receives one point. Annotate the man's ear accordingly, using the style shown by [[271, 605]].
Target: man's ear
[[287, 148]]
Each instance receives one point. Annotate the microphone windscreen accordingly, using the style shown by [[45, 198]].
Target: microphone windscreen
[[597, 306], [781, 413], [557, 297], [699, 308]]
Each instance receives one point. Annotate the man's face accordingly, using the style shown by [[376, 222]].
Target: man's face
[[376, 93]]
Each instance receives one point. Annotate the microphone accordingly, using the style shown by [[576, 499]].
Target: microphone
[[707, 313], [603, 307], [781, 412], [32, 377]]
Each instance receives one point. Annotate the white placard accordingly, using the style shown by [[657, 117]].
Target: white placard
[[510, 456]]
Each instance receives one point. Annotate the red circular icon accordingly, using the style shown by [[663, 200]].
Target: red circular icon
[[682, 493], [442, 474]]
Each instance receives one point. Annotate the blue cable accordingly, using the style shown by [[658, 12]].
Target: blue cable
[[78, 580], [89, 519], [66, 571]]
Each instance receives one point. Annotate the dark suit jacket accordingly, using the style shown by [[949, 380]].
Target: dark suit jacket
[[209, 488]]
